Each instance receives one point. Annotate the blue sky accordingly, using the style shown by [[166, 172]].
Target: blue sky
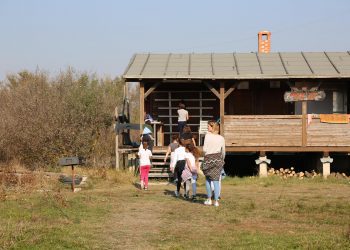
[[100, 36]]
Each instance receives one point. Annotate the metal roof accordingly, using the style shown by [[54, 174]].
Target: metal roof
[[279, 65]]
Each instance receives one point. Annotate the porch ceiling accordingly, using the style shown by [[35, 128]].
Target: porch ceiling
[[279, 65]]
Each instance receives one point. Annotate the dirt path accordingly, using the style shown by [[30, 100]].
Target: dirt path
[[156, 219]]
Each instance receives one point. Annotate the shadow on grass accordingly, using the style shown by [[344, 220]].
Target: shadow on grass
[[198, 199]]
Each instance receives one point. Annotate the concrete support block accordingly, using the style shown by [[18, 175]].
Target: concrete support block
[[262, 162], [326, 161]]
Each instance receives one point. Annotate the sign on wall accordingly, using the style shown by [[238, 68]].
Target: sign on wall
[[297, 95]]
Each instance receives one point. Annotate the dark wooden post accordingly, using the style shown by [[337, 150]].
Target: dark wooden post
[[142, 104], [304, 123], [73, 181], [222, 108], [116, 140]]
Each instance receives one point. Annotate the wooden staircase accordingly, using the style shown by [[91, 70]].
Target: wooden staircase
[[160, 169]]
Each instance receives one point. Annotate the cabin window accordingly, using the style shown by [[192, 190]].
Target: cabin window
[[275, 84], [243, 85], [339, 102]]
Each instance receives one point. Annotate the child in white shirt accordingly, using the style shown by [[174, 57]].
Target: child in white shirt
[[145, 164], [171, 150], [179, 158]]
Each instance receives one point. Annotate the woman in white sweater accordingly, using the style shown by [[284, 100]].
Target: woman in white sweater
[[214, 155]]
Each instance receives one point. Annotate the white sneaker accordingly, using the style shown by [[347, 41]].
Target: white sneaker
[[208, 202], [216, 203], [176, 193]]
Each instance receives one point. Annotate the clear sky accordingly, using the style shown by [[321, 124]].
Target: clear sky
[[101, 35]]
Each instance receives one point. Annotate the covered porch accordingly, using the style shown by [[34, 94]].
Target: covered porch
[[246, 92]]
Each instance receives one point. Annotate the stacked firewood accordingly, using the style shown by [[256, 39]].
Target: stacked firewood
[[339, 175], [291, 173]]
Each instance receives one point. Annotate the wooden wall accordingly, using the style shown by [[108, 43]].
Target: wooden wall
[[264, 130], [283, 131]]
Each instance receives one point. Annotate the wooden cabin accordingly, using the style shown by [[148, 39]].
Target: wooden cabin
[[266, 102]]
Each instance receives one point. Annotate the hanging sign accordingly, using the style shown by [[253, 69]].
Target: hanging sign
[[304, 95]]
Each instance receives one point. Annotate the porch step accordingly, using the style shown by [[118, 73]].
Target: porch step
[[158, 163], [157, 156], [159, 168], [160, 175]]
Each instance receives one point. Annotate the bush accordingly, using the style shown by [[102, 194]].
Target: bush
[[43, 119]]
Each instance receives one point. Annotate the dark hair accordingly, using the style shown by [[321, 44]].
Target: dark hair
[[194, 150], [175, 137], [186, 129], [181, 105], [181, 142]]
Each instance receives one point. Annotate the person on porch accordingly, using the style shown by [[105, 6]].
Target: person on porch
[[148, 117], [146, 135], [182, 117]]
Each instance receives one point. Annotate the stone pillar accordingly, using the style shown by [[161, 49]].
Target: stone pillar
[[262, 162], [326, 161]]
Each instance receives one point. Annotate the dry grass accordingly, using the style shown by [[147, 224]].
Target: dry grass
[[254, 214], [104, 173]]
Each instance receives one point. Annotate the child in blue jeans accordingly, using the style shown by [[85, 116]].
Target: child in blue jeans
[[192, 155]]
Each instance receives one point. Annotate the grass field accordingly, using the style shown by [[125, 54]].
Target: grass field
[[112, 214]]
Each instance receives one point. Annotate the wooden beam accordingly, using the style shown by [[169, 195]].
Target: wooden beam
[[222, 108], [304, 123], [116, 141], [151, 89], [212, 89], [142, 104], [231, 89]]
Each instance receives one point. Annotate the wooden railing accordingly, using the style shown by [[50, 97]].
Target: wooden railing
[[321, 134], [283, 131]]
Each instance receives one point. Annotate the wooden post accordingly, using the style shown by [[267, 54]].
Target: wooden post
[[142, 104], [116, 140], [117, 151], [222, 107], [304, 123], [73, 181]]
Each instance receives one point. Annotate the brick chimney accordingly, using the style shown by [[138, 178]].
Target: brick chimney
[[264, 40]]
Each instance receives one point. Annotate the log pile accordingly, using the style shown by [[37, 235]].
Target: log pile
[[291, 173], [338, 175]]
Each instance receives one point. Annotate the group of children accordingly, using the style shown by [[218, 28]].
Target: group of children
[[184, 155], [184, 164]]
